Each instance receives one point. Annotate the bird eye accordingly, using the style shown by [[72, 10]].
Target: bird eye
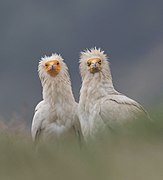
[[88, 63], [99, 62], [46, 65], [57, 63]]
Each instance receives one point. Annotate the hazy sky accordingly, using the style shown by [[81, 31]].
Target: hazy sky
[[130, 32]]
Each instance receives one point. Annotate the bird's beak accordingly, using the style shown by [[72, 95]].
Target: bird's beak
[[52, 67], [94, 65]]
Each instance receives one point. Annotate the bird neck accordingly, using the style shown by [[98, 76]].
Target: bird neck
[[97, 85], [57, 92]]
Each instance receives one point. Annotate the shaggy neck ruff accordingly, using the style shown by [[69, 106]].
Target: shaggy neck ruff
[[57, 91], [96, 85]]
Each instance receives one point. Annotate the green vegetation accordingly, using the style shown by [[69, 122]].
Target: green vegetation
[[132, 153]]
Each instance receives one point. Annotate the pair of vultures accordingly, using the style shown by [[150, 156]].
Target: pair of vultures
[[100, 106]]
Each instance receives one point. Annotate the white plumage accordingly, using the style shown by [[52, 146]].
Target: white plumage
[[100, 105], [56, 115]]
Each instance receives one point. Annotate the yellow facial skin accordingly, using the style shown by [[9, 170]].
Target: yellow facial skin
[[52, 67], [94, 65]]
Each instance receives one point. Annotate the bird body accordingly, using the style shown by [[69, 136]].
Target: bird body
[[55, 116], [100, 105]]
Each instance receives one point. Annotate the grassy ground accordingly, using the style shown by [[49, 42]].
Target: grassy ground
[[131, 153]]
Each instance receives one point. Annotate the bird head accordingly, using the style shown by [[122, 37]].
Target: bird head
[[52, 67], [94, 65], [93, 61]]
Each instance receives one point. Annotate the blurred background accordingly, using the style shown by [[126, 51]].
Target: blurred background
[[130, 32]]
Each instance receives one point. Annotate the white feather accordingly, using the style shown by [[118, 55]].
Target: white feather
[[56, 115], [100, 105]]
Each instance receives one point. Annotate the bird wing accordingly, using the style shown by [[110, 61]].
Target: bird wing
[[119, 108], [77, 129], [37, 121], [77, 125]]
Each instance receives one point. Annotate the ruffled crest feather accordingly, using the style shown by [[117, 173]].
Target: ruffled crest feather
[[93, 53], [54, 56]]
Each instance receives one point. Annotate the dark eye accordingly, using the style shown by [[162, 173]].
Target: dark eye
[[46, 65], [57, 63], [88, 63], [99, 62]]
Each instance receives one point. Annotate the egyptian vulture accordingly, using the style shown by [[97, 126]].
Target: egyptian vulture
[[100, 105], [55, 116]]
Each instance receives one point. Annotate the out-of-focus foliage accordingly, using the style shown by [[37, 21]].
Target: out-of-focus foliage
[[132, 152]]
